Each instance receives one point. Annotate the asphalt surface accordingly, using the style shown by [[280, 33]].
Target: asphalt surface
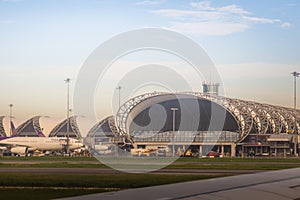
[[174, 163]]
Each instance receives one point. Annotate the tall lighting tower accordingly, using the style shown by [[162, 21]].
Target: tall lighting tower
[[295, 74], [67, 81], [119, 88], [10, 117], [173, 126]]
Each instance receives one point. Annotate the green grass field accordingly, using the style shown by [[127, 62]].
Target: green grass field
[[259, 166], [29, 194], [48, 186], [97, 181], [181, 163]]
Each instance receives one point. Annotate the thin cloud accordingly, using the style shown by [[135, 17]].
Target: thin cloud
[[233, 9], [285, 25], [205, 5], [189, 14], [150, 2], [268, 21], [202, 18], [209, 28], [261, 20]]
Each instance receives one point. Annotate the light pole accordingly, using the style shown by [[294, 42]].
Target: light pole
[[10, 117], [119, 88], [173, 129], [295, 74], [67, 81]]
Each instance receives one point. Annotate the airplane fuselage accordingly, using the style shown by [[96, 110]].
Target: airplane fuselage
[[41, 143]]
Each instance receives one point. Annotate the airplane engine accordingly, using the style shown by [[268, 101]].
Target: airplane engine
[[3, 148], [100, 147], [19, 150], [31, 149]]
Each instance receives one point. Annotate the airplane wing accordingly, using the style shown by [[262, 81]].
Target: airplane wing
[[274, 185]]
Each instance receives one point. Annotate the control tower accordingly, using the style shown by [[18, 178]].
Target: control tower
[[211, 88]]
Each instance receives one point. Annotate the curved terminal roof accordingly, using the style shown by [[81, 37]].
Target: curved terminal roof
[[105, 127], [244, 116], [30, 128], [47, 124], [5, 126], [104, 132], [60, 130]]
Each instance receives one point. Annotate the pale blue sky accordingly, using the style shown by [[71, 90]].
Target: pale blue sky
[[254, 44]]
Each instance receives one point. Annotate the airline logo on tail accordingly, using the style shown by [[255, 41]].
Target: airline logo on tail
[[41, 134], [13, 129]]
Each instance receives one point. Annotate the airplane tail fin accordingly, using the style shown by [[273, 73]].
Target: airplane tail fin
[[41, 134], [13, 129]]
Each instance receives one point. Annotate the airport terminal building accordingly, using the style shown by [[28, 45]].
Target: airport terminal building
[[204, 122], [194, 121]]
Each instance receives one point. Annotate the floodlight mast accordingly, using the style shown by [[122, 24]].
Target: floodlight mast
[[295, 74], [67, 81], [10, 117], [119, 88], [173, 127]]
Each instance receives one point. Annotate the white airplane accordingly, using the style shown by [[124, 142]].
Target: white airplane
[[22, 145]]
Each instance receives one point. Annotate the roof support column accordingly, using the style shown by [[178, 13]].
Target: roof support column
[[233, 146]]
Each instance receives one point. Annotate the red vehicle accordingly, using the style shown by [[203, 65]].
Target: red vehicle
[[213, 154]]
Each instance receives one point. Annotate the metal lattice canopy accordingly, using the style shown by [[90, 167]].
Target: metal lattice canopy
[[2, 129], [58, 130], [32, 123], [99, 126], [251, 117]]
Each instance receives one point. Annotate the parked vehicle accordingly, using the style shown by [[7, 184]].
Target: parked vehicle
[[213, 154]]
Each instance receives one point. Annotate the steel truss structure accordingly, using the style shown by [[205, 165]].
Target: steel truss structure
[[124, 110], [251, 117], [97, 127], [107, 129], [73, 128], [34, 121], [2, 130]]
